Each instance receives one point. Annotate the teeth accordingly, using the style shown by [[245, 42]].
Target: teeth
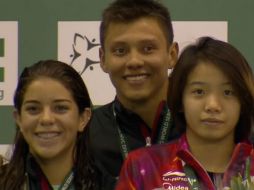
[[136, 78], [47, 135]]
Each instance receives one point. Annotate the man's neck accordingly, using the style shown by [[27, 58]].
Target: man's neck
[[147, 107], [146, 110]]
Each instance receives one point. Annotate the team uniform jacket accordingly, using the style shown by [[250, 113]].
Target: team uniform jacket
[[105, 142], [162, 167]]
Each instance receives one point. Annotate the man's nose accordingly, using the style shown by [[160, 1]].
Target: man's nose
[[135, 59]]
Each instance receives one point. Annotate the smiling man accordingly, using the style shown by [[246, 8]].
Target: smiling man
[[137, 51]]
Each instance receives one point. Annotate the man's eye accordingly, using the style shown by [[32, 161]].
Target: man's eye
[[148, 49], [119, 51], [61, 108]]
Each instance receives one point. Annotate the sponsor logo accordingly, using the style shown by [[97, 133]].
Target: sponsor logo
[[1, 47], [1, 74], [1, 95], [175, 180], [181, 174], [78, 46], [82, 56], [8, 60], [1, 55], [173, 188]]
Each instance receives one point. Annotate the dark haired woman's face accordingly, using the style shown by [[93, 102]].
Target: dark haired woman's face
[[211, 107], [50, 119]]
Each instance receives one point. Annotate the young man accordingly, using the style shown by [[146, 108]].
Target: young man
[[137, 49]]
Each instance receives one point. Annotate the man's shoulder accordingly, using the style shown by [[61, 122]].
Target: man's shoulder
[[102, 108], [102, 118], [102, 112]]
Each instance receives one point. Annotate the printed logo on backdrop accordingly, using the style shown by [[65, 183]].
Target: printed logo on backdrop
[[78, 46], [83, 53], [8, 61]]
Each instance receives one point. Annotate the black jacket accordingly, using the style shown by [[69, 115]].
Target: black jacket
[[105, 142]]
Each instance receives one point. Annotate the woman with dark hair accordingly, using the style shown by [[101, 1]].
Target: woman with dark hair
[[211, 96], [52, 113]]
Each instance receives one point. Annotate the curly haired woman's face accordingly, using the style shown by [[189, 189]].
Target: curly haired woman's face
[[50, 119]]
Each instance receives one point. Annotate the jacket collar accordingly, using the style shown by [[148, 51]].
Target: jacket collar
[[236, 165], [37, 179]]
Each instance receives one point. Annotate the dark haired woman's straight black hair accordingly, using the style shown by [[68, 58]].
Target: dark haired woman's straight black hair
[[231, 62]]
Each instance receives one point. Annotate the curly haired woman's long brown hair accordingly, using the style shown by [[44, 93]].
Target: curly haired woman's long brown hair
[[12, 175]]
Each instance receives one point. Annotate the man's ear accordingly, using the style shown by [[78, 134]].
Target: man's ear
[[173, 54], [102, 60], [84, 119], [17, 118]]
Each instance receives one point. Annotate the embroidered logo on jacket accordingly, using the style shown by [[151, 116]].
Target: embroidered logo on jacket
[[175, 180]]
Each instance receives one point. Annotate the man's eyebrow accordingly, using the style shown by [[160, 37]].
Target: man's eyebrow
[[62, 100]]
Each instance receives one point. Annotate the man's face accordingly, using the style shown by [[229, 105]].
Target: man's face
[[137, 57]]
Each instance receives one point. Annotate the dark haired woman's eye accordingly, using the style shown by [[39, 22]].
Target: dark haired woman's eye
[[228, 92], [198, 92]]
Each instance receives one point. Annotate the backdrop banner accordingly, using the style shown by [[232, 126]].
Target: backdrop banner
[[78, 45], [8, 61]]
